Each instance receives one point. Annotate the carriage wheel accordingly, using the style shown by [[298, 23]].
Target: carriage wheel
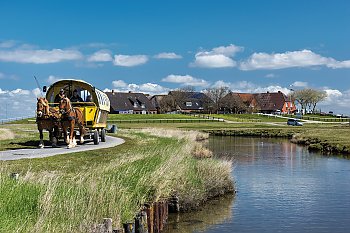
[[96, 137], [103, 135]]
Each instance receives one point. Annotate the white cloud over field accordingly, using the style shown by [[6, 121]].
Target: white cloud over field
[[167, 56], [130, 60], [186, 80], [219, 57], [39, 56], [302, 58]]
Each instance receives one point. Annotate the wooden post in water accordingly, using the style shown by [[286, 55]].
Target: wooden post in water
[[156, 218], [107, 222], [150, 217]]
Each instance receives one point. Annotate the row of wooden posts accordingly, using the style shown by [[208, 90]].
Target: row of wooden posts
[[151, 219]]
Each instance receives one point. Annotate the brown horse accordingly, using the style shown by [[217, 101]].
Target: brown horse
[[46, 118], [70, 117]]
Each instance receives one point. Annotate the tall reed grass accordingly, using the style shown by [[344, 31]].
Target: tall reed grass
[[54, 195]]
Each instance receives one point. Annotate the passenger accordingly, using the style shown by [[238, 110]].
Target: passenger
[[89, 98], [75, 97], [60, 96]]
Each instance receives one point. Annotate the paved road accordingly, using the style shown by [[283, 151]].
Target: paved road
[[49, 151]]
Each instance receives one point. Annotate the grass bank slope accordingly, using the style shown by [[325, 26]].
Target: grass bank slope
[[70, 193]]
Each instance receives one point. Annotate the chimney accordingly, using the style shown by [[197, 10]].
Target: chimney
[[279, 91], [112, 92]]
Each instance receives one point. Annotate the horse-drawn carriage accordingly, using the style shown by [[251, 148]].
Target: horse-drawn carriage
[[89, 113]]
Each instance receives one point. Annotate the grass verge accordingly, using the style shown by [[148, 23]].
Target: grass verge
[[70, 193]]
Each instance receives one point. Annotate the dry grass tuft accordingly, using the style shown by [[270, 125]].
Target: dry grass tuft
[[6, 134], [200, 152]]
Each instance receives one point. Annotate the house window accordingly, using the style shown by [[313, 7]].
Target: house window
[[188, 104], [135, 105], [143, 106]]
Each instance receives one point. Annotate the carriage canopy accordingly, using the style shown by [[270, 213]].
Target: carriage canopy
[[89, 93]]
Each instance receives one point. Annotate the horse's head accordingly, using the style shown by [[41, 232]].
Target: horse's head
[[42, 107], [65, 106]]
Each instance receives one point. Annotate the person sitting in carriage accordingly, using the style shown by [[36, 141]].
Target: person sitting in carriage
[[60, 96], [75, 97]]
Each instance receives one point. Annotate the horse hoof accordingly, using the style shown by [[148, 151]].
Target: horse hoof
[[41, 146]]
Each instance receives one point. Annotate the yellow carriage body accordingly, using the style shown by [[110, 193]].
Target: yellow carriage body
[[95, 105]]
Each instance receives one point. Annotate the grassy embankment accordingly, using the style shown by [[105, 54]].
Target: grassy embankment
[[70, 193], [328, 138]]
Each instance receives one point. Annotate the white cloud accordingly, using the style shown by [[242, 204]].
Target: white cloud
[[148, 88], [7, 44], [119, 83], [336, 101], [17, 103], [299, 84], [52, 79], [36, 92], [129, 61], [167, 56], [249, 87], [212, 61], [186, 80], [39, 56], [303, 58], [219, 57], [271, 75], [100, 56], [228, 51], [221, 83], [153, 88]]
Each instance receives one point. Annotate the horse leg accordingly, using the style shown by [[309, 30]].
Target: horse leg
[[74, 142], [41, 143], [71, 135], [54, 137], [82, 132], [65, 133], [50, 135]]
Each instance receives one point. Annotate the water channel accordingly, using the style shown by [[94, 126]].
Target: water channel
[[281, 188]]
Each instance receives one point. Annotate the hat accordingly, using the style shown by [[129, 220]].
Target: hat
[[75, 90]]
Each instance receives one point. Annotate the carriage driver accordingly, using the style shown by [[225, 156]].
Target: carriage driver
[[60, 96], [75, 97]]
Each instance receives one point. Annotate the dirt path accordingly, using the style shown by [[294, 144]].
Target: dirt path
[[49, 151]]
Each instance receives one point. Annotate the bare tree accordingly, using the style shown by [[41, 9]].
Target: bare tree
[[234, 103], [166, 104], [216, 95], [308, 98], [316, 97]]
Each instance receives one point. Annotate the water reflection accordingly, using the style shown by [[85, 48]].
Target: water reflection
[[281, 188], [216, 211]]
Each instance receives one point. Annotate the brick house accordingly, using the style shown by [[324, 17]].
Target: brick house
[[269, 102]]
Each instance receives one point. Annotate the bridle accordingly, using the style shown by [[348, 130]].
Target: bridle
[[63, 110], [41, 108]]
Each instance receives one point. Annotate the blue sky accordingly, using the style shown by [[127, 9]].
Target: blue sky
[[156, 46]]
